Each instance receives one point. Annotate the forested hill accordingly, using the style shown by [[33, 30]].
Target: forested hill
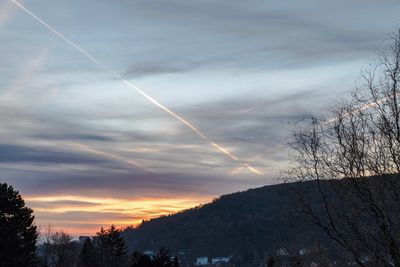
[[248, 224]]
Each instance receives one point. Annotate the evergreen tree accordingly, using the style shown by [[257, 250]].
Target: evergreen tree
[[101, 246], [17, 233], [117, 247], [138, 259], [162, 259], [271, 262], [87, 257], [110, 247]]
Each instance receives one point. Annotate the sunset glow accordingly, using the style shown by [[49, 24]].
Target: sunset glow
[[114, 112], [105, 211]]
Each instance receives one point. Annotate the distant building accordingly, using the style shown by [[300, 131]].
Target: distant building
[[201, 261], [218, 260], [282, 252], [150, 253], [364, 259], [304, 251], [183, 252]]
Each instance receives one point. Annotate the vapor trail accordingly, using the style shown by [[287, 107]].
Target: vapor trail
[[144, 94], [363, 107]]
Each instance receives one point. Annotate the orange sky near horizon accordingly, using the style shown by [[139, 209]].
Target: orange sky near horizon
[[65, 212]]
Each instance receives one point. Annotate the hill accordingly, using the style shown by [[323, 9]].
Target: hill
[[250, 225]]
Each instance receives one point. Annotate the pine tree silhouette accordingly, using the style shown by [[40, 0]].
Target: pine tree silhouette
[[17, 233]]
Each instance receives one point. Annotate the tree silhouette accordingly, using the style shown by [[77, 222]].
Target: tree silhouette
[[162, 259], [64, 250], [138, 259], [102, 249], [271, 262], [117, 247], [87, 257], [110, 247], [353, 159], [17, 233]]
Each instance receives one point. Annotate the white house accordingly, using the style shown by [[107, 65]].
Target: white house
[[220, 260], [282, 252], [304, 251], [150, 253], [201, 261]]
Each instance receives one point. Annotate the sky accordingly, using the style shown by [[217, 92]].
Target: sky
[[86, 150]]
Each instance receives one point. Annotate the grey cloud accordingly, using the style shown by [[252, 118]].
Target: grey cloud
[[259, 35], [73, 136], [60, 203], [257, 126], [178, 36], [18, 154], [143, 69], [108, 184]]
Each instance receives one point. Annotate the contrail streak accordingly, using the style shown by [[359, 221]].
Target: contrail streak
[[144, 94], [362, 108]]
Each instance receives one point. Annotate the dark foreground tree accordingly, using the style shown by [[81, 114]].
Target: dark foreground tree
[[353, 159], [110, 247], [17, 232], [271, 262], [161, 259], [138, 259], [87, 257], [117, 248]]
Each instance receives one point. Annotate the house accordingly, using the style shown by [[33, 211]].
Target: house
[[282, 252], [218, 260], [304, 251], [200, 261], [150, 254], [183, 252]]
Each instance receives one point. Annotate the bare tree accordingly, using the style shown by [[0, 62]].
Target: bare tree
[[58, 249], [352, 163], [46, 249], [65, 249]]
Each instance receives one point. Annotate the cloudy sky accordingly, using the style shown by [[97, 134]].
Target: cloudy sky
[[86, 150]]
